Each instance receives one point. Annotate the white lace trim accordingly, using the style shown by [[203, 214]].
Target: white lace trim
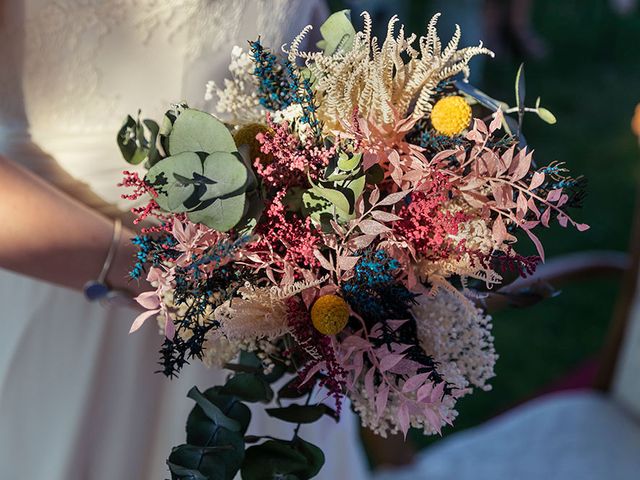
[[74, 48]]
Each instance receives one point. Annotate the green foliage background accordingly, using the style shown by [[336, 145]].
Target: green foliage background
[[591, 82]]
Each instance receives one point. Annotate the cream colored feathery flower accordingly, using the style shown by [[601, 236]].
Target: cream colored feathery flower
[[259, 312], [400, 74]]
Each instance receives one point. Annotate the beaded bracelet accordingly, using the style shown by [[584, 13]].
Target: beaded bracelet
[[98, 289]]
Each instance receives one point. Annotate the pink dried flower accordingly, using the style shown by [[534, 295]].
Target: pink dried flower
[[292, 159], [425, 224], [293, 238]]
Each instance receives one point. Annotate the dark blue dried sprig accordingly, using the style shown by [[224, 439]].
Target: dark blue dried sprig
[[151, 252], [274, 91], [281, 85]]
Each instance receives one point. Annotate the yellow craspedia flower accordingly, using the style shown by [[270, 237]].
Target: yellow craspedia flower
[[451, 115], [247, 136], [330, 314]]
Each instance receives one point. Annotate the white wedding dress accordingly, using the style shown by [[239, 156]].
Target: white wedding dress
[[79, 399]]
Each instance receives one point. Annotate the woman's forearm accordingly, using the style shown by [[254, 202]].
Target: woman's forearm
[[48, 235]]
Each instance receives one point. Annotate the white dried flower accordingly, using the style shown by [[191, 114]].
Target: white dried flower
[[457, 334], [238, 101]]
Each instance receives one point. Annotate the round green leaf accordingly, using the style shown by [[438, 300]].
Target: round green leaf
[[248, 387], [196, 131], [227, 172], [127, 142], [281, 459], [212, 411], [253, 212], [298, 413], [337, 33], [219, 462], [168, 175], [315, 456], [272, 459], [221, 215], [293, 389], [200, 428]]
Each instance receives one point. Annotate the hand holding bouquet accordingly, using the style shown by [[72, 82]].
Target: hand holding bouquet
[[341, 227]]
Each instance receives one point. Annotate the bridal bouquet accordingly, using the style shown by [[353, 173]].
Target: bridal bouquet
[[333, 238]]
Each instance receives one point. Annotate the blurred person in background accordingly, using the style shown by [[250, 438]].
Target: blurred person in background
[[509, 28]]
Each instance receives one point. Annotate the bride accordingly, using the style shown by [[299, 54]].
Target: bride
[[78, 396]]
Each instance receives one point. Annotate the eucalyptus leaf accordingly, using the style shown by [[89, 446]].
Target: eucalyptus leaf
[[168, 177], [248, 387], [253, 211], [245, 156], [153, 154], [196, 131], [278, 371], [337, 33], [212, 411], [167, 123], [221, 215], [293, 389], [165, 129], [131, 141], [313, 454], [249, 359], [546, 115], [228, 175], [299, 413], [178, 472], [278, 459], [201, 429], [219, 462]]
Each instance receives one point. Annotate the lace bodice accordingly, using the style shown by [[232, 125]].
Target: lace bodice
[[77, 67]]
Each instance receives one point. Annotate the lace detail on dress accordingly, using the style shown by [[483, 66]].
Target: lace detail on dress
[[217, 22], [72, 70], [76, 60]]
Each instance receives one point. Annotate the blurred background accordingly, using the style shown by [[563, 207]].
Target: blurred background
[[582, 58]]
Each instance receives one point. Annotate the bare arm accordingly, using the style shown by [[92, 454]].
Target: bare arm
[[48, 235]]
